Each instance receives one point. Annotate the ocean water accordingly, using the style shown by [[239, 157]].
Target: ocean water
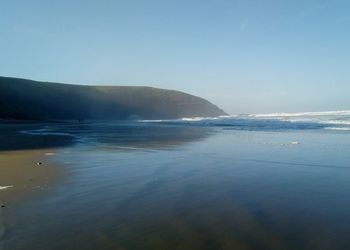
[[276, 181], [331, 120]]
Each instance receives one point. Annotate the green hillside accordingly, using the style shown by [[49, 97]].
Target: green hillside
[[33, 100]]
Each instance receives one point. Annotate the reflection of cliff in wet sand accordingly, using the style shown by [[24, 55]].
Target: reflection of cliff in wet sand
[[26, 149], [131, 135]]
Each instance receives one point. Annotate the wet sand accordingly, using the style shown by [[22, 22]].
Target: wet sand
[[20, 153], [148, 187], [25, 173]]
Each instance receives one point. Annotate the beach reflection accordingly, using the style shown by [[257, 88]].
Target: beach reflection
[[203, 189], [117, 135]]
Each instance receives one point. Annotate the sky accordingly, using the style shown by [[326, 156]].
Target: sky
[[245, 56]]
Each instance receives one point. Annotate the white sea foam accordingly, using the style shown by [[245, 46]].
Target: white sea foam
[[49, 153], [5, 187], [336, 120], [324, 113], [340, 119], [44, 131], [195, 119], [192, 119], [338, 128], [151, 120]]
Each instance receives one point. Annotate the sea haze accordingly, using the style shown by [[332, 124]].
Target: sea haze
[[274, 181]]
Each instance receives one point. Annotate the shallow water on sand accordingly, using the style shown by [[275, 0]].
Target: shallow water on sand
[[181, 187]]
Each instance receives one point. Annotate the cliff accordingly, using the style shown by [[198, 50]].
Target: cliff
[[33, 100]]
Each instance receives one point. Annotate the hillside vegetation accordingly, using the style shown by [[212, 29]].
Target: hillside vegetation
[[33, 100]]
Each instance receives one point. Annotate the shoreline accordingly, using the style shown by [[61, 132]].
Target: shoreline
[[25, 173]]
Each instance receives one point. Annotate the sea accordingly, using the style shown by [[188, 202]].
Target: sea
[[248, 181]]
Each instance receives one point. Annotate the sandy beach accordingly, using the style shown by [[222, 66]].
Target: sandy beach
[[168, 186], [25, 164], [25, 172]]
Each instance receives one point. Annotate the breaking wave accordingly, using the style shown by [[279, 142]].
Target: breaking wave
[[329, 120]]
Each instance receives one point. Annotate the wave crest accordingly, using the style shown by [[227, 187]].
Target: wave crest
[[339, 120]]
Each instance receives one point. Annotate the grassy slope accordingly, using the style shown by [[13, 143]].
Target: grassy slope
[[26, 99]]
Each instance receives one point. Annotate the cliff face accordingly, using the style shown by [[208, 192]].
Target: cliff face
[[26, 99]]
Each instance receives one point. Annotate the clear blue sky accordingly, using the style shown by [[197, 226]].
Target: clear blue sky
[[246, 56]]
